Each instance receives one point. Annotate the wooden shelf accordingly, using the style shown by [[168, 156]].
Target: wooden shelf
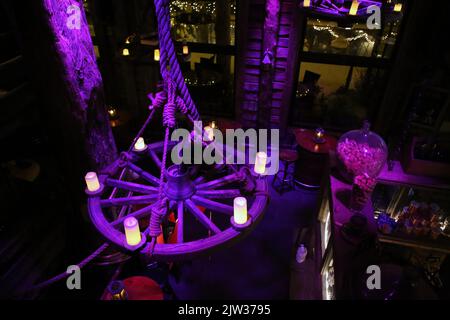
[[397, 176]]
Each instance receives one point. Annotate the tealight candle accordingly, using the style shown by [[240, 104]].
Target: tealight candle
[[185, 49], [140, 144], [156, 55], [260, 162], [240, 210], [319, 135], [112, 112], [92, 182], [209, 133], [132, 232], [125, 52], [354, 8]]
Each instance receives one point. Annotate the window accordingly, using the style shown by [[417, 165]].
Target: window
[[354, 39], [208, 28], [342, 70], [205, 21], [335, 96]]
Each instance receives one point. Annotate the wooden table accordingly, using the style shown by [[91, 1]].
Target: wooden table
[[313, 157]]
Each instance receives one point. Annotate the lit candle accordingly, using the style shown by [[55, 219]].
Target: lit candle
[[307, 3], [112, 112], [125, 52], [132, 232], [209, 133], [156, 55], [354, 8], [240, 210], [398, 7], [260, 162], [92, 182], [185, 49], [213, 124], [319, 135], [140, 144]]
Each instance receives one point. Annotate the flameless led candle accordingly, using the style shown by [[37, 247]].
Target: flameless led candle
[[398, 7], [354, 8], [156, 55], [260, 162], [185, 49], [132, 232], [92, 182], [240, 210], [307, 3], [125, 52], [140, 144], [209, 133]]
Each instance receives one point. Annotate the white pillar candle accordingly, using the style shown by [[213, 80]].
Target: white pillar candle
[[209, 133], [140, 144], [354, 8], [307, 3], [132, 232], [92, 182], [260, 162], [240, 210], [125, 52], [156, 55]]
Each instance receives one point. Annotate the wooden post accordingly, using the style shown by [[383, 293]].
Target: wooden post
[[271, 25]]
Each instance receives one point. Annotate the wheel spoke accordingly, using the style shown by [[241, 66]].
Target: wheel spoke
[[128, 200], [143, 174], [137, 214], [201, 216], [155, 158], [220, 182], [130, 186], [219, 194], [213, 205], [180, 222]]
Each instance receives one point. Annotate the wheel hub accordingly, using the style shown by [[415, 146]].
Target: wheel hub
[[179, 185]]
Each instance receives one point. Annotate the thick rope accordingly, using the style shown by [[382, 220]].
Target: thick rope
[[168, 57], [64, 275]]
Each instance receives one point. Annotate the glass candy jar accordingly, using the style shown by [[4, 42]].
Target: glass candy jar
[[361, 152]]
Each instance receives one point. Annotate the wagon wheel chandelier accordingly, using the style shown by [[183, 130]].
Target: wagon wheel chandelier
[[129, 205]]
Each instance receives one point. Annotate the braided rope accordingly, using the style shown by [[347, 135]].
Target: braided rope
[[168, 56]]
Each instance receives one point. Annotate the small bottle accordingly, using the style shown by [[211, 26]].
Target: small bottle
[[301, 253]]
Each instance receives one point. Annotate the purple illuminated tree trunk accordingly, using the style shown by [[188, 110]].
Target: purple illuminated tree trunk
[[79, 72]]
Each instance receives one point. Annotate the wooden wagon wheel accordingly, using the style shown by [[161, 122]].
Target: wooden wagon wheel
[[185, 192]]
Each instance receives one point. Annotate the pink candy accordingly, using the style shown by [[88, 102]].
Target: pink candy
[[359, 158]]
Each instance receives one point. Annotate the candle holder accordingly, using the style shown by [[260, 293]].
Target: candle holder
[[241, 226], [96, 192], [137, 246], [140, 142], [93, 182], [319, 136]]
